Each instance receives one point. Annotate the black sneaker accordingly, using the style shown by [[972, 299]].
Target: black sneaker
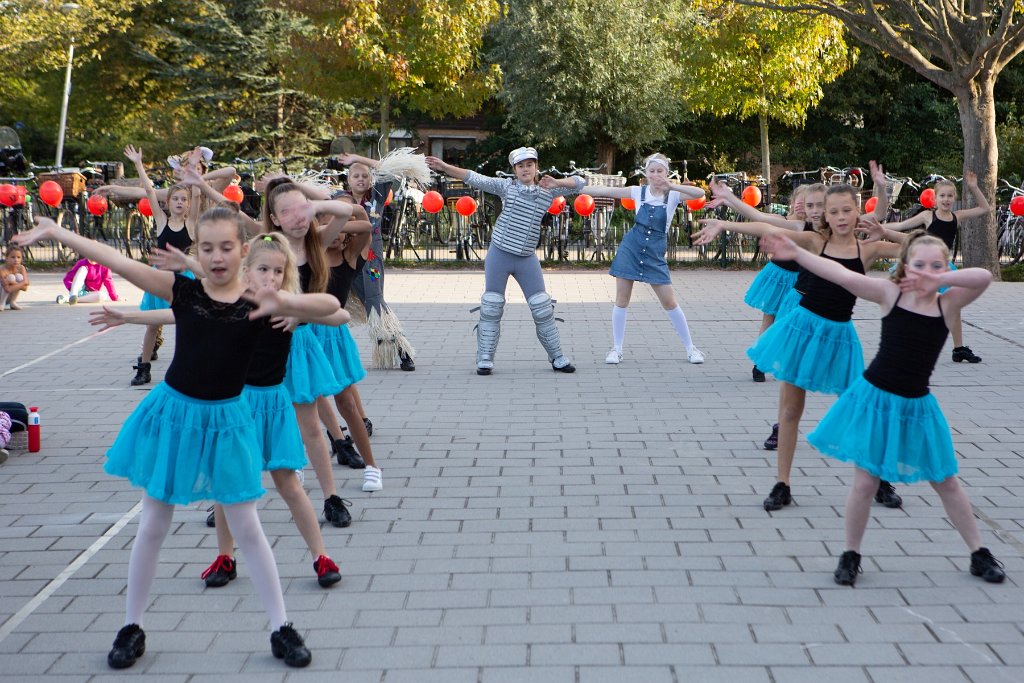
[[964, 353], [327, 573], [347, 454], [142, 375], [780, 495], [849, 566], [408, 364], [568, 368], [287, 644], [220, 572], [987, 567], [336, 513], [368, 425], [758, 375], [887, 496], [211, 519], [129, 645], [772, 442]]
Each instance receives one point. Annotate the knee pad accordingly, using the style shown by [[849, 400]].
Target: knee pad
[[542, 306], [492, 306]]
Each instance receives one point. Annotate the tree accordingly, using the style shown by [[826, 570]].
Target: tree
[[581, 70], [760, 63], [960, 45], [422, 53]]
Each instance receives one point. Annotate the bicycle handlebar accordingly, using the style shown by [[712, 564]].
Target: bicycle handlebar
[[251, 162]]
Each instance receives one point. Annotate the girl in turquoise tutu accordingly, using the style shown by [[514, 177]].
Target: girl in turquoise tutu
[[193, 436], [887, 423], [270, 263], [814, 346]]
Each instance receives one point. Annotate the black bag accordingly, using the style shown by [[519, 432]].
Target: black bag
[[19, 415]]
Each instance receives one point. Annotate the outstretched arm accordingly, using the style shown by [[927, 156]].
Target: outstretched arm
[[454, 171], [881, 211], [981, 206], [920, 220], [270, 302], [340, 213], [192, 178], [712, 228], [156, 282], [349, 159], [135, 156], [783, 247], [722, 194], [113, 317], [965, 285]]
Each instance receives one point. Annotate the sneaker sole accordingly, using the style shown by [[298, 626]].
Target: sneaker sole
[[371, 489], [327, 582]]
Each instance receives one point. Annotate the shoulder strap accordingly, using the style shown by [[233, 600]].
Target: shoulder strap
[[643, 193]]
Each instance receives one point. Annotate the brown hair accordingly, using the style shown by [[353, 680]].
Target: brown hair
[[315, 256], [917, 238], [277, 243], [850, 191], [226, 214], [948, 183]]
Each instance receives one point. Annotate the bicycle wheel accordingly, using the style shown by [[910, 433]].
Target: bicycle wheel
[[66, 219]]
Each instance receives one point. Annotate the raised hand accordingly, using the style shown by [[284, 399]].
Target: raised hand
[[710, 229], [134, 155], [287, 323], [107, 317], [171, 258], [45, 229], [267, 301], [780, 247], [720, 190], [971, 179], [548, 183], [347, 159], [191, 177], [436, 164], [870, 229], [921, 282], [877, 174]]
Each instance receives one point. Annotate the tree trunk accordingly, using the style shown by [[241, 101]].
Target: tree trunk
[[606, 154], [385, 124], [766, 159], [976, 104]]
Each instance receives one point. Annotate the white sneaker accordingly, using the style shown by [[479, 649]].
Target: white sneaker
[[372, 479], [694, 355], [614, 357]]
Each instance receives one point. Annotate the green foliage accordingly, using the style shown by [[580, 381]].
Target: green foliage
[[584, 70], [759, 62]]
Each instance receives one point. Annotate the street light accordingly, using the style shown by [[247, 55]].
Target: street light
[[66, 8]]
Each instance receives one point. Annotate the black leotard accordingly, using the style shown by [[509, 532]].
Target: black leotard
[[825, 298], [910, 347], [270, 358], [176, 238], [792, 266], [342, 275], [944, 230]]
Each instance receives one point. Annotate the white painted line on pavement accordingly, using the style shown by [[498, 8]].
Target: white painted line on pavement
[[53, 353], [69, 571]]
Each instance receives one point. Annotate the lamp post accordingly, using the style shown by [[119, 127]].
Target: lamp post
[[66, 7]]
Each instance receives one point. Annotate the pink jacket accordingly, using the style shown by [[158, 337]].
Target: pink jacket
[[97, 276]]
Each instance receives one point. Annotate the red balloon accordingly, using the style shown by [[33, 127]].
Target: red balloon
[[696, 204], [927, 198], [8, 195], [870, 204], [51, 193], [751, 195], [466, 206], [628, 204], [233, 193], [557, 204], [433, 201], [1017, 206], [584, 205], [144, 208], [21, 195], [97, 205]]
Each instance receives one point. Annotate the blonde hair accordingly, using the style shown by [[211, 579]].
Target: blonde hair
[[917, 238], [658, 158], [798, 192], [946, 183], [275, 242]]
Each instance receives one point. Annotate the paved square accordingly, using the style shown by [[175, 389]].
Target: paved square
[[601, 526]]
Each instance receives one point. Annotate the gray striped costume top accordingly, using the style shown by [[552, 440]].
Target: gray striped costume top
[[517, 230]]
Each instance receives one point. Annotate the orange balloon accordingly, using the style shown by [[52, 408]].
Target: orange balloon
[[696, 204], [391, 197], [8, 195], [97, 205], [628, 204], [557, 204], [466, 206], [51, 193], [751, 195], [927, 198], [870, 204], [144, 208], [584, 205], [233, 193], [433, 201]]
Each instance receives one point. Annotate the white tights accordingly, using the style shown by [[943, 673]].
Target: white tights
[[154, 524]]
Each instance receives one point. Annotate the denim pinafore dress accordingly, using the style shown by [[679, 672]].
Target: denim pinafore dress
[[641, 256]]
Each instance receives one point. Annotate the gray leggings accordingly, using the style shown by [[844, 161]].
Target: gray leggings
[[498, 265]]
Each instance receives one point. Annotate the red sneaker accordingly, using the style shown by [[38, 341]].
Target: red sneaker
[[327, 573]]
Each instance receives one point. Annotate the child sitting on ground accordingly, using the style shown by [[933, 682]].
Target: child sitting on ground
[[13, 279], [88, 282]]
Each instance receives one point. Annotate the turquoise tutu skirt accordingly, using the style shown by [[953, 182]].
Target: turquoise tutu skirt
[[342, 353], [769, 288], [790, 300], [809, 351], [308, 374], [277, 432], [892, 437], [155, 303], [181, 449]]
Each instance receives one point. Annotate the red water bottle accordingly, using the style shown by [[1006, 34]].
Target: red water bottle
[[33, 430]]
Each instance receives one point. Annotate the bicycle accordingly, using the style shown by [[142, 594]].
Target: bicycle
[[1009, 227], [19, 217]]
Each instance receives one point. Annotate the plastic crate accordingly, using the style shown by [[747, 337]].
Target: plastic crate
[[605, 180], [19, 441], [72, 182], [453, 189]]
